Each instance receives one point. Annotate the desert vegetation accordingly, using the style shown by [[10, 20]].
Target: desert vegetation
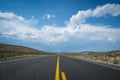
[[111, 57]]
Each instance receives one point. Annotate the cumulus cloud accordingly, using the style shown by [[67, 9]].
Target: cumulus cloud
[[97, 33], [10, 16], [99, 11], [111, 9], [12, 25]]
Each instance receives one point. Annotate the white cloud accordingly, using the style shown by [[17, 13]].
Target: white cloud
[[10, 16], [48, 16], [53, 34], [100, 33], [111, 9], [81, 16], [12, 25]]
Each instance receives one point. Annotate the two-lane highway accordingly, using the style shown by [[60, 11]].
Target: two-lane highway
[[55, 68]]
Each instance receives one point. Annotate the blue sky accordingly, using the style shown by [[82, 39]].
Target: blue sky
[[61, 25]]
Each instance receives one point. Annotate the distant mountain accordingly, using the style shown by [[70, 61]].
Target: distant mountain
[[92, 52], [15, 49]]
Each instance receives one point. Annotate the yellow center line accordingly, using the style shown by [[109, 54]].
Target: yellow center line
[[63, 76], [57, 77]]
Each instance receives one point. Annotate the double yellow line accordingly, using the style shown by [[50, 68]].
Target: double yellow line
[[57, 77]]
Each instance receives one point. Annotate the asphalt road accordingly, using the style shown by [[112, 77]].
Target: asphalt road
[[44, 68], [40, 68], [83, 70]]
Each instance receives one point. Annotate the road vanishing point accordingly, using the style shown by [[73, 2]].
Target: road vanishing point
[[55, 68]]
